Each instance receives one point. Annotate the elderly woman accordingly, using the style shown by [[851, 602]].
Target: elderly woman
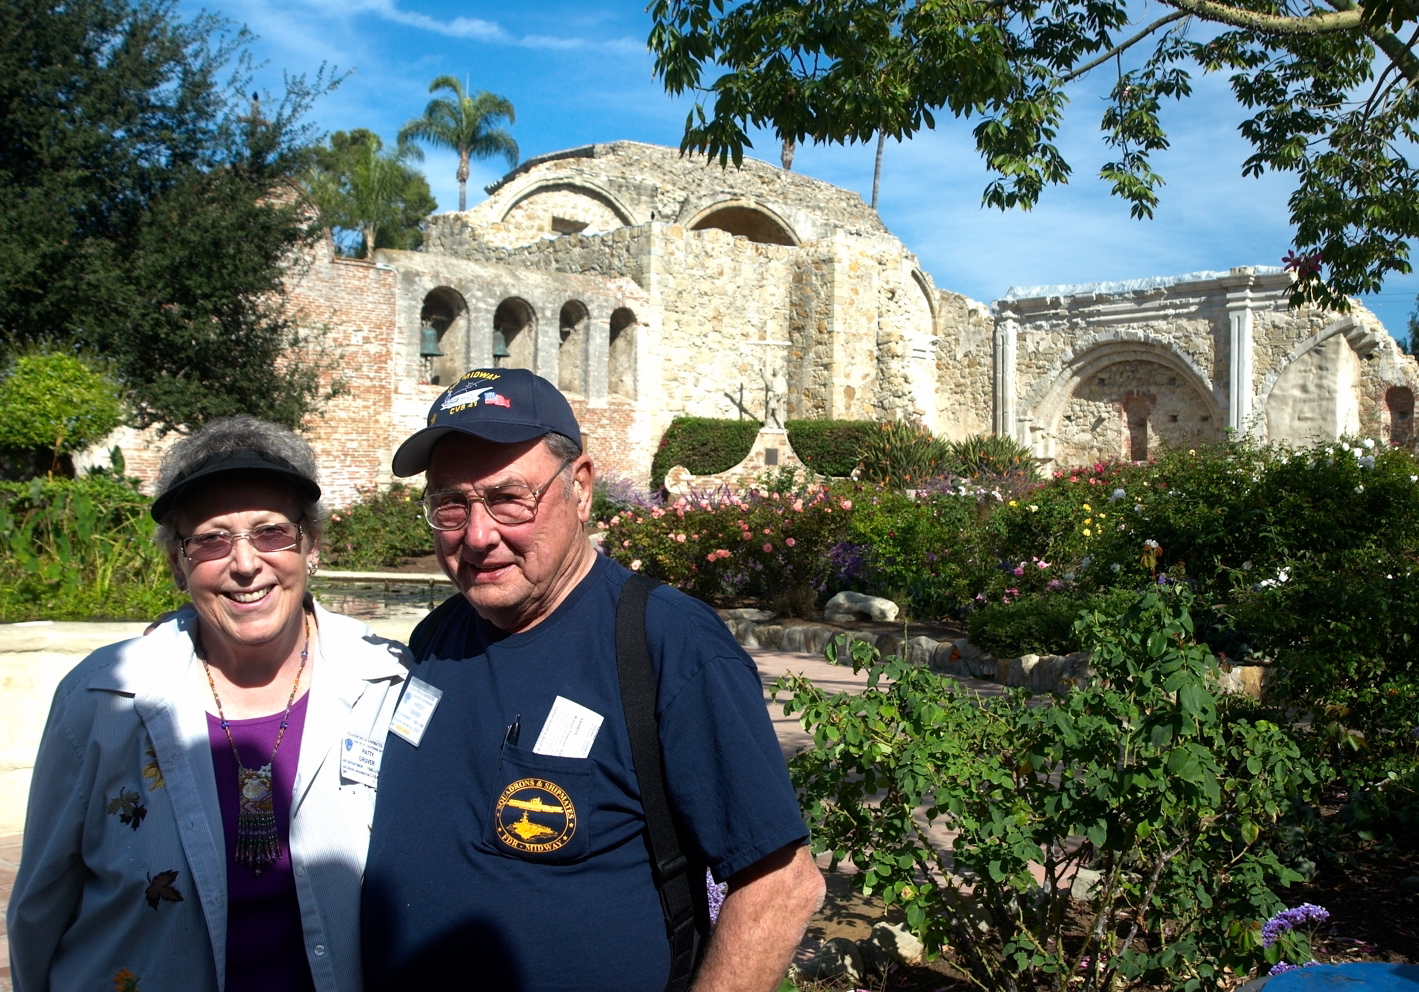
[[202, 796]]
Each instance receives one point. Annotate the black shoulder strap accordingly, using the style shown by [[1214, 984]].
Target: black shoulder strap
[[673, 876], [424, 630]]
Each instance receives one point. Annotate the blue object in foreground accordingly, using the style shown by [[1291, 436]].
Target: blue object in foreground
[[1373, 976]]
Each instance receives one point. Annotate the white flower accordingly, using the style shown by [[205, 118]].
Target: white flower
[[1359, 489], [1367, 462], [1086, 561], [1116, 495], [1369, 442], [1113, 567], [1137, 507], [1344, 446], [636, 565]]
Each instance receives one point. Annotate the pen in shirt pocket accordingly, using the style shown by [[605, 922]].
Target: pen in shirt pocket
[[514, 731]]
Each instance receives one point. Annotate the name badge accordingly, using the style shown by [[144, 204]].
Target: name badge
[[416, 707], [570, 730], [359, 759]]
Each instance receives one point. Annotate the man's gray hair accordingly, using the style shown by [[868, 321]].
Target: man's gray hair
[[235, 434], [564, 449]]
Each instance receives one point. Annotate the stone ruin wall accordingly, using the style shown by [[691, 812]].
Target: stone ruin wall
[[965, 369]]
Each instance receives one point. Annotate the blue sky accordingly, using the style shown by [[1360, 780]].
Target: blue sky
[[579, 72]]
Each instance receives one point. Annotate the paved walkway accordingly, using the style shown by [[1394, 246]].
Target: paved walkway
[[772, 665]]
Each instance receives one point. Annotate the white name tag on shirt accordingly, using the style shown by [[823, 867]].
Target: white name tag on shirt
[[416, 707], [359, 759], [569, 731]]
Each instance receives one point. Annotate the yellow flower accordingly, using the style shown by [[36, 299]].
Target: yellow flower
[[1088, 520], [1013, 503], [1088, 508], [1088, 532], [153, 772]]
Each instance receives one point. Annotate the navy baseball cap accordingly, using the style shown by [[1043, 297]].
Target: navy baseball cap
[[505, 406], [245, 461]]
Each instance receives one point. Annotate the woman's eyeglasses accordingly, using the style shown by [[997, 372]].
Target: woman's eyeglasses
[[218, 544]]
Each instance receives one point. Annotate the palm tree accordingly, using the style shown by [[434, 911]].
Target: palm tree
[[463, 123], [361, 188]]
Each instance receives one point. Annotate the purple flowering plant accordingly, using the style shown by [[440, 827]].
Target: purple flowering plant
[[1287, 937]]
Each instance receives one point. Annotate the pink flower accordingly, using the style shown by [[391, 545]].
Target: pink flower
[[767, 547], [768, 530], [790, 542], [1043, 564], [847, 504], [747, 536], [1017, 571], [680, 538], [798, 506], [657, 513], [625, 544], [712, 556]]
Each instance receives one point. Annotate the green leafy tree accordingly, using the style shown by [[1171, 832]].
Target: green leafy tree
[[55, 403], [370, 197], [1410, 345], [465, 124], [149, 214], [1328, 92]]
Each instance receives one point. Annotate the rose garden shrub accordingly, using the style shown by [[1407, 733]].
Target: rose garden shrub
[[1170, 794], [380, 530], [725, 545]]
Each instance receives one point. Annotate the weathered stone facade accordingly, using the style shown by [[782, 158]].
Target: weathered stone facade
[[649, 286]]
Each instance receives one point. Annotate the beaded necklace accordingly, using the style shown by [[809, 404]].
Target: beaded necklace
[[257, 843]]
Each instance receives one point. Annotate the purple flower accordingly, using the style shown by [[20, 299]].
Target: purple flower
[[1288, 919], [715, 891]]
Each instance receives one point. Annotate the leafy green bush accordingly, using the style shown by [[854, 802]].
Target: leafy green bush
[[703, 445], [80, 549], [902, 454], [1036, 623], [381, 529], [829, 447], [1168, 794], [55, 402], [725, 545]]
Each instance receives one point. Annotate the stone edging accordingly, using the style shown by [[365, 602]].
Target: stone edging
[[1040, 673]]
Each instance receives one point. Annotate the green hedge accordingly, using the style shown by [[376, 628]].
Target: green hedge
[[829, 447], [704, 445]]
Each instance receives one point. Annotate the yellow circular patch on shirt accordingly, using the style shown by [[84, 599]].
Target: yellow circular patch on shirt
[[535, 816]]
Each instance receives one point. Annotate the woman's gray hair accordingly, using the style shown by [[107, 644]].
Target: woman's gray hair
[[229, 434]]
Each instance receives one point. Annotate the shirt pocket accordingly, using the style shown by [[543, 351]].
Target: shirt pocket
[[541, 806]]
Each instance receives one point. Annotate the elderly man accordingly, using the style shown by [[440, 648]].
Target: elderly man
[[508, 847]]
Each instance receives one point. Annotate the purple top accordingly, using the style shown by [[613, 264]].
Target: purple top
[[265, 941]]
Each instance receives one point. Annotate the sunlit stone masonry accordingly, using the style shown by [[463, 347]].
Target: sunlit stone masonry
[[647, 285]]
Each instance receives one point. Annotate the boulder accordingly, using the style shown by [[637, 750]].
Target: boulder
[[890, 946], [837, 958], [848, 606], [920, 650], [1086, 882], [758, 616]]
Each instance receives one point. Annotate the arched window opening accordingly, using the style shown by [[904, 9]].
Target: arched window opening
[[1399, 406], [1135, 414], [747, 222], [513, 335], [621, 354], [571, 363], [446, 312]]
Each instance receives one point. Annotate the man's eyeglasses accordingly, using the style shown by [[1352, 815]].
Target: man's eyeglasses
[[511, 504], [218, 544]]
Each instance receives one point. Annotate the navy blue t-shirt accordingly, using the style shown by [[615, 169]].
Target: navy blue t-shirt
[[529, 872]]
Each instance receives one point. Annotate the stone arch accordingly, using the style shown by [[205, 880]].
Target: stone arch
[[621, 353], [515, 323], [924, 284], [571, 350], [1399, 416], [1172, 400], [571, 206], [447, 311], [1314, 392], [741, 216]]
